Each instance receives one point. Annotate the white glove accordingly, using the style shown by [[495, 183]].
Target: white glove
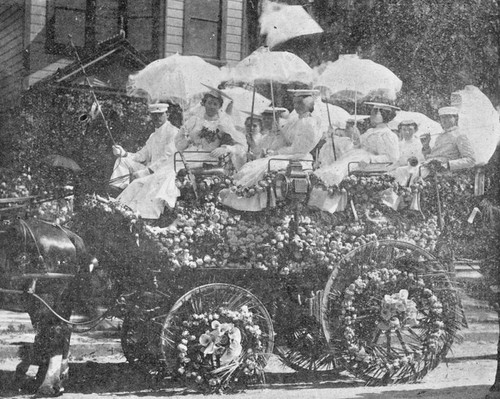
[[118, 151], [221, 151], [141, 173]]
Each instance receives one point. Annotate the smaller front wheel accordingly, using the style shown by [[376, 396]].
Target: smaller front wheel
[[217, 337]]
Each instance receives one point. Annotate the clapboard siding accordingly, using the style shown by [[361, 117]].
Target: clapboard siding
[[8, 12], [11, 48], [11, 53], [234, 30], [174, 29], [235, 5]]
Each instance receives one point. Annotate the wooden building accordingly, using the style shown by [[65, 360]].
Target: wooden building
[[35, 41]]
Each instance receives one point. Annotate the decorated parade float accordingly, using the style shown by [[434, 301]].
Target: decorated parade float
[[208, 293]]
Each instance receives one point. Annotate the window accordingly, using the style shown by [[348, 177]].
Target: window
[[93, 21], [203, 28]]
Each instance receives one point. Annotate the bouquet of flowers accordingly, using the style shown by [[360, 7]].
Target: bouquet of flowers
[[219, 350]]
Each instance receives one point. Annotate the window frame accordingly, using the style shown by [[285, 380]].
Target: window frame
[[90, 35], [222, 34]]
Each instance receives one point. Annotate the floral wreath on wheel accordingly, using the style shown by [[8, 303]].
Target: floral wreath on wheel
[[398, 309], [220, 351]]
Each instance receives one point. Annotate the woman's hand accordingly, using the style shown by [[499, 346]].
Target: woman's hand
[[118, 151], [221, 151], [425, 139]]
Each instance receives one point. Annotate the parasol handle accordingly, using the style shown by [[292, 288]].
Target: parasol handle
[[330, 123], [272, 102], [91, 88], [251, 141]]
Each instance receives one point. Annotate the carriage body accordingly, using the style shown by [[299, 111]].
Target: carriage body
[[296, 266], [291, 280]]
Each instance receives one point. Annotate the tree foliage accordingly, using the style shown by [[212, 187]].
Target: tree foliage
[[435, 47]]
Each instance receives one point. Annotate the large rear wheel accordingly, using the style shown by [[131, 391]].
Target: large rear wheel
[[389, 312]]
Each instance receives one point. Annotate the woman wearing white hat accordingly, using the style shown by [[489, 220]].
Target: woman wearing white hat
[[143, 195], [211, 131], [379, 144], [452, 149], [156, 151], [301, 134]]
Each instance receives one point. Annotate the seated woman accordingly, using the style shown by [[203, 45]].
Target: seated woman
[[410, 145], [253, 131], [379, 144], [211, 131], [142, 194], [270, 138], [405, 169], [302, 135]]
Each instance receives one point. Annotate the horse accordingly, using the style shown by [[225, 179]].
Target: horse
[[49, 266]]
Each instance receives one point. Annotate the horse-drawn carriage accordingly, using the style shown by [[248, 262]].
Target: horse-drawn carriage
[[208, 296]]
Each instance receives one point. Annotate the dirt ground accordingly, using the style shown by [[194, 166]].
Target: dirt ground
[[468, 374]]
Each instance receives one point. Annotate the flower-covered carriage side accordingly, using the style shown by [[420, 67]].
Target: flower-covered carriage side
[[388, 313]]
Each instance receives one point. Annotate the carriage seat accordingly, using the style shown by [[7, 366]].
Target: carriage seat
[[209, 167], [372, 169]]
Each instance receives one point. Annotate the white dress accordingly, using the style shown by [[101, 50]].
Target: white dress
[[146, 195], [378, 144], [303, 134], [201, 134], [154, 155]]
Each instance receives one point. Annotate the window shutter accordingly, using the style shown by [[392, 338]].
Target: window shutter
[[140, 24], [107, 20], [202, 31], [69, 20]]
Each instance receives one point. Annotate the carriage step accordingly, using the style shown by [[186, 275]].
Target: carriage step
[[28, 276]]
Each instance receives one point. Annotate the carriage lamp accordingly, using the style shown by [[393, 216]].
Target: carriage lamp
[[293, 183]]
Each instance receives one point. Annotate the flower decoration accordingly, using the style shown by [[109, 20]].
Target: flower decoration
[[209, 133], [398, 337], [224, 341], [397, 311], [226, 356]]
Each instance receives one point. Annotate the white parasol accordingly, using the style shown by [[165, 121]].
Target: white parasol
[[264, 66], [425, 124], [351, 78], [282, 22], [479, 120], [176, 78], [271, 66], [242, 104]]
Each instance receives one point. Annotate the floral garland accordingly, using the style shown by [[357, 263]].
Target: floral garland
[[220, 351], [408, 310]]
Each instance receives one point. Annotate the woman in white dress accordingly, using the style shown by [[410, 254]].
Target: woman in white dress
[[211, 131], [301, 135], [144, 195], [379, 144]]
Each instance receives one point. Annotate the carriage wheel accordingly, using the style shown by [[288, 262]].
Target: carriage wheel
[[141, 336], [140, 341], [390, 312], [215, 299], [304, 348]]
